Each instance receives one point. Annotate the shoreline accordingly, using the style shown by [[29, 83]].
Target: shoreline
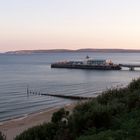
[[22, 116], [12, 128]]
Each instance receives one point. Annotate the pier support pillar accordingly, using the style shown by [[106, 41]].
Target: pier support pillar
[[131, 68]]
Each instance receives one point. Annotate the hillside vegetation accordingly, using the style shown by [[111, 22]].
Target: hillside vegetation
[[114, 115]]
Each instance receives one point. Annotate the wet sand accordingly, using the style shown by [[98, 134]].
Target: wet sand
[[14, 127]]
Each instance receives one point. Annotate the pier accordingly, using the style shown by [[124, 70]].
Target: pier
[[94, 64], [130, 66]]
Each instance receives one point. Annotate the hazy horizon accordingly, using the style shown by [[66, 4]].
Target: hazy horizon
[[44, 24], [66, 49]]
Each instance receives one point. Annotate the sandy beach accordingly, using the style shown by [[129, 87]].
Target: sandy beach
[[14, 127]]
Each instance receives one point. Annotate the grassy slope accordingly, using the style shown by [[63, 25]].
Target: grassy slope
[[114, 115]]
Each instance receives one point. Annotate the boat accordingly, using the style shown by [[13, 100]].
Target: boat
[[88, 63]]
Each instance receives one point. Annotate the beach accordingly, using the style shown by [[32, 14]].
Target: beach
[[14, 127]]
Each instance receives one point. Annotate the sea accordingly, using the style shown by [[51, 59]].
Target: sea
[[19, 71]]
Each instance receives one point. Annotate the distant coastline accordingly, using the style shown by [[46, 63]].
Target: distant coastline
[[74, 51]]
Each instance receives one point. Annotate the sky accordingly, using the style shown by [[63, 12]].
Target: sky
[[69, 24]]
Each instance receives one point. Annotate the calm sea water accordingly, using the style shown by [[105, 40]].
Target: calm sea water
[[18, 71]]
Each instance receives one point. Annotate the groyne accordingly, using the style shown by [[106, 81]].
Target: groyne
[[59, 95]]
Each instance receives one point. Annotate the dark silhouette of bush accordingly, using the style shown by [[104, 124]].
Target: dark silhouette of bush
[[59, 115], [45, 131], [134, 85]]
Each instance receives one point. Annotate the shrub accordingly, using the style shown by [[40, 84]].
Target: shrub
[[59, 115]]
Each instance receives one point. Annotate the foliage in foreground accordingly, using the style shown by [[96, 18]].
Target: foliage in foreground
[[114, 115]]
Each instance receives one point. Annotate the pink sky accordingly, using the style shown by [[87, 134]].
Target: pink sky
[[71, 24]]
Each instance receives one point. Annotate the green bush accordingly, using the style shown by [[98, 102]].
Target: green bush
[[59, 115], [41, 132]]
